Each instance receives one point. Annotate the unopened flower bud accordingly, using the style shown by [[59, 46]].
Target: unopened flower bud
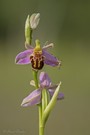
[[28, 31], [34, 20]]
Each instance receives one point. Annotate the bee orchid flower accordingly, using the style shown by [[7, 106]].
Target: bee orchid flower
[[37, 57], [35, 97]]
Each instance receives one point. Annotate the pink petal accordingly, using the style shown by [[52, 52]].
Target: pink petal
[[48, 46], [24, 57], [60, 95], [50, 59], [44, 80], [32, 99]]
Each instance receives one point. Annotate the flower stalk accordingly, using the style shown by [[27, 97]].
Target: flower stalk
[[35, 76], [28, 35], [41, 128], [45, 94]]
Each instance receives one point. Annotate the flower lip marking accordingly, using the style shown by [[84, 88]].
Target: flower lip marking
[[37, 60]]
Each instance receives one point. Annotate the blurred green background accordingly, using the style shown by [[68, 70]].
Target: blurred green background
[[66, 23]]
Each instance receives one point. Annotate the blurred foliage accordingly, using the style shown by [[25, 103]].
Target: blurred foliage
[[66, 23]]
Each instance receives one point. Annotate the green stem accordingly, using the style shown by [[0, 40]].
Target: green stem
[[28, 35], [41, 130], [28, 38], [35, 78], [41, 127]]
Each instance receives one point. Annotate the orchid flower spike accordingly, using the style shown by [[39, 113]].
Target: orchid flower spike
[[34, 97], [37, 56]]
